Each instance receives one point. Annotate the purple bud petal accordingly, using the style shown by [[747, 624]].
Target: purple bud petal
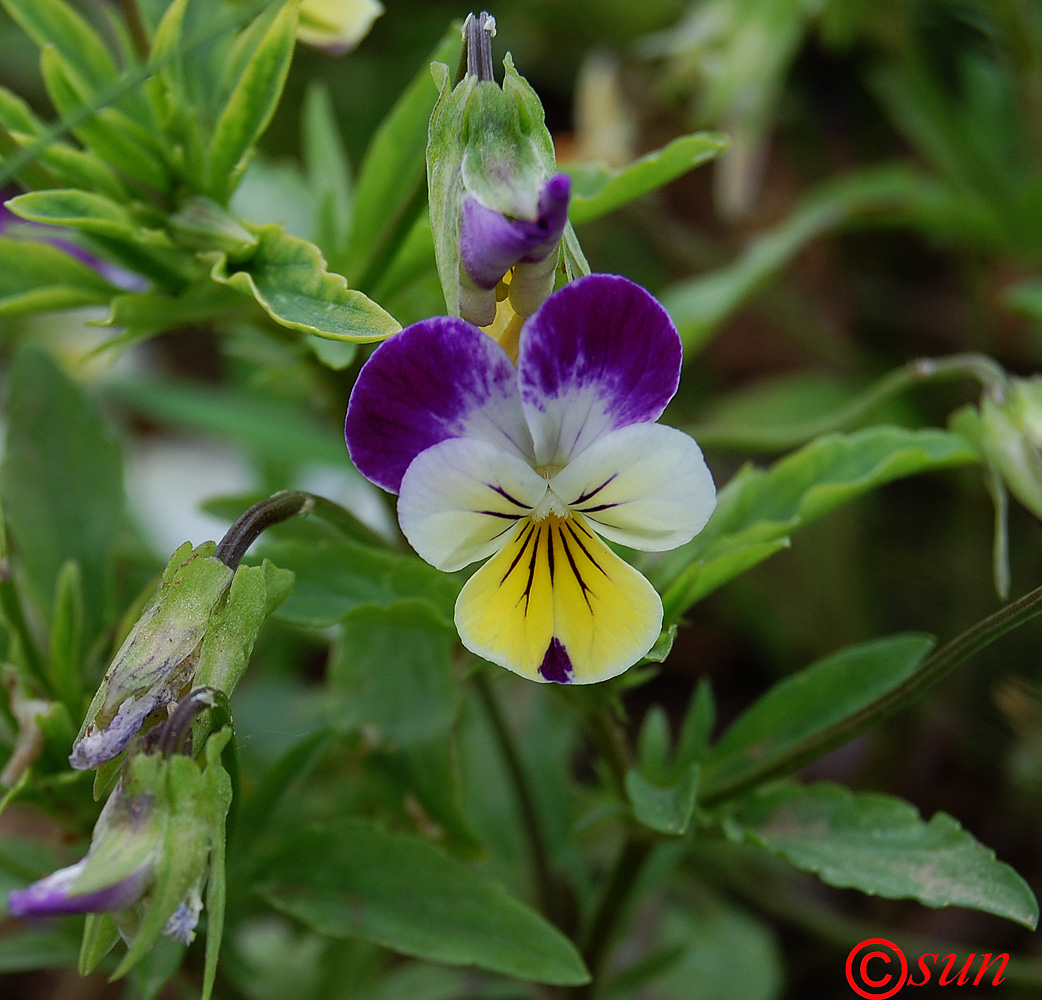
[[491, 244], [182, 922], [52, 896]]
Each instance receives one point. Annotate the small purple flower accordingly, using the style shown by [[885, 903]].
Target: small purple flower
[[531, 467], [116, 872]]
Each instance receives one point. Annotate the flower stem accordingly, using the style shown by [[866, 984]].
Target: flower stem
[[607, 736], [934, 668], [136, 27], [629, 864], [782, 437], [13, 617], [280, 507], [547, 887]]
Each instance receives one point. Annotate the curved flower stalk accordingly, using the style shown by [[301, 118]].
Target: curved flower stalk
[[534, 466]]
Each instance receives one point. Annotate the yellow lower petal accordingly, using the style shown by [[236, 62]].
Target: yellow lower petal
[[556, 604]]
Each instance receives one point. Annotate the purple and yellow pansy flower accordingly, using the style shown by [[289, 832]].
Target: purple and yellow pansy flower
[[532, 467]]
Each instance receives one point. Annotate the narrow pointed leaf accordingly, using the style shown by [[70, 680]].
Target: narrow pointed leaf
[[598, 189], [37, 277], [251, 104]]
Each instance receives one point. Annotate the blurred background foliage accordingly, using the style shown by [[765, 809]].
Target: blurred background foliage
[[881, 200]]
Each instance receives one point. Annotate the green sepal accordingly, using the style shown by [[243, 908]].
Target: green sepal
[[202, 224], [167, 633], [288, 278], [219, 795], [100, 935], [255, 592], [186, 810]]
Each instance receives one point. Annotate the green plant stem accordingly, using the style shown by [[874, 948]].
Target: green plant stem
[[629, 864], [136, 27], [785, 436], [280, 507], [546, 884], [607, 736], [934, 669], [13, 617]]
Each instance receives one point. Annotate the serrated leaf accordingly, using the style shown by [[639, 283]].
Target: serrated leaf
[[830, 690], [251, 104], [598, 189], [759, 509], [701, 305], [880, 845], [355, 880], [288, 277], [664, 808], [62, 484], [334, 577], [36, 277], [393, 168]]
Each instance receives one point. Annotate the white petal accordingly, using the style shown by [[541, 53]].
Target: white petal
[[460, 498], [645, 486]]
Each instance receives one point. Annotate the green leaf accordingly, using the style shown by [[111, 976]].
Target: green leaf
[[666, 809], [707, 950], [336, 576], [759, 509], [53, 948], [701, 305], [90, 213], [1025, 297], [144, 314], [598, 189], [62, 484], [251, 104], [392, 170], [328, 170], [880, 845], [77, 168], [113, 136], [830, 690], [52, 22], [354, 880], [36, 277], [263, 425], [415, 701], [288, 277]]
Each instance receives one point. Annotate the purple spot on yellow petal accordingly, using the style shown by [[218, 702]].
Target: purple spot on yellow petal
[[556, 666]]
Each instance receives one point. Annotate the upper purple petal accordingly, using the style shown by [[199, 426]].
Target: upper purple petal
[[597, 355], [437, 379], [491, 244]]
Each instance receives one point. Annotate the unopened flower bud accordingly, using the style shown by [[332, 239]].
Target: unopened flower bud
[[496, 200], [336, 26], [1010, 436], [202, 224], [156, 662]]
